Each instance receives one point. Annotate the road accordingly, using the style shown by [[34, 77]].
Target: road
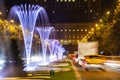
[[98, 74]]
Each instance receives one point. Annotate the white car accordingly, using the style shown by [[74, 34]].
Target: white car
[[113, 62]]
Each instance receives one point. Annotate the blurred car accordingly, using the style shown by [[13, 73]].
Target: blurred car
[[92, 60], [113, 62]]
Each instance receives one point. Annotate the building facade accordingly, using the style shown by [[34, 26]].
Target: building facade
[[71, 33]]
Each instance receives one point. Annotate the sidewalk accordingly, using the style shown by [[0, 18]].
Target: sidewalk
[[78, 77]]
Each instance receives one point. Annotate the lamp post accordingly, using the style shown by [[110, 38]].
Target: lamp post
[[108, 12], [0, 14], [12, 21]]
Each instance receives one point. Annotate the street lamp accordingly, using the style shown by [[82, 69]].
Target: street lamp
[[0, 13], [12, 21], [100, 20], [92, 29], [108, 12], [96, 25]]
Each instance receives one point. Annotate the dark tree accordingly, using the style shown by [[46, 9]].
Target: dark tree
[[14, 66]]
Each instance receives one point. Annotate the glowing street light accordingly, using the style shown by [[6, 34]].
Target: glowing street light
[[92, 29], [96, 25], [101, 20], [12, 21], [0, 13], [108, 12]]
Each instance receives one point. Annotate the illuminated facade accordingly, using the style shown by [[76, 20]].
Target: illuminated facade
[[71, 33]]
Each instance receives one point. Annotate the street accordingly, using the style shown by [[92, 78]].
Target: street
[[98, 73]]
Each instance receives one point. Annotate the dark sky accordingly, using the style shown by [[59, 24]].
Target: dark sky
[[9, 3], [106, 4]]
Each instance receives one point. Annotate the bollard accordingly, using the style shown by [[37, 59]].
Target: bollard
[[52, 72]]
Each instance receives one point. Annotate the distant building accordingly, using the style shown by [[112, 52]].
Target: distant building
[[71, 33]]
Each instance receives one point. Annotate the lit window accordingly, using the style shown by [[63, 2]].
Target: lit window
[[77, 29], [65, 41], [85, 0], [57, 0], [77, 40], [69, 30], [85, 29], [65, 0], [69, 0], [45, 0], [73, 29], [69, 40], [91, 11], [81, 29], [61, 30], [57, 30], [73, 0], [85, 11], [65, 30], [6, 10], [61, 0], [53, 11], [61, 40], [94, 0]]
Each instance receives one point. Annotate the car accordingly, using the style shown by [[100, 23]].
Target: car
[[92, 60], [113, 62]]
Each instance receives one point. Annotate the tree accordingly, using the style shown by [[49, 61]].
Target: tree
[[14, 62]]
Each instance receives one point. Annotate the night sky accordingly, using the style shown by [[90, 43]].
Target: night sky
[[106, 4], [9, 3]]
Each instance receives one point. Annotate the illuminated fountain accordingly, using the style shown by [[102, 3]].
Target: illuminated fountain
[[27, 15], [56, 50], [52, 46], [44, 33]]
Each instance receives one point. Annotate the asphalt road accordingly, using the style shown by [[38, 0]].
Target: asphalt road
[[98, 74]]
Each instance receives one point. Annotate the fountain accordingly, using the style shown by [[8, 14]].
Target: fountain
[[27, 15], [44, 33], [56, 50], [31, 16]]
